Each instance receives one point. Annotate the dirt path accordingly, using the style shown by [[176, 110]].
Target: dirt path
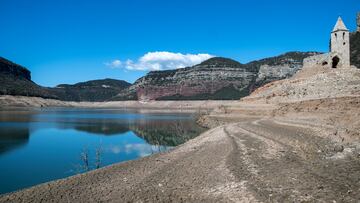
[[249, 161], [288, 163]]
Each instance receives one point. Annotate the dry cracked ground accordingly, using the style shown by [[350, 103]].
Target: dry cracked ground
[[251, 160]]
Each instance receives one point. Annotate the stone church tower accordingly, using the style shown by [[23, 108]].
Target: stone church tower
[[339, 55], [340, 45]]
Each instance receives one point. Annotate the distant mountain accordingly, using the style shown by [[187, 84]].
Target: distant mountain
[[16, 80], [216, 78], [94, 90], [278, 67], [355, 49]]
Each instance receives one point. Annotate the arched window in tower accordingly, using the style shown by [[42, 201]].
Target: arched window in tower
[[336, 35], [343, 35], [335, 62]]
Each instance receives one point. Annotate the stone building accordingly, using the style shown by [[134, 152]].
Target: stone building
[[340, 45], [339, 55]]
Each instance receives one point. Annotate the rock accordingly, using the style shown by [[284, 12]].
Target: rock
[[10, 68], [338, 148], [16, 80]]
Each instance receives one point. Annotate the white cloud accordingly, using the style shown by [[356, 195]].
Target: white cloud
[[141, 150], [161, 61], [114, 64]]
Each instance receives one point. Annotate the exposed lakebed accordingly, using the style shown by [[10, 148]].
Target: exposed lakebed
[[40, 145]]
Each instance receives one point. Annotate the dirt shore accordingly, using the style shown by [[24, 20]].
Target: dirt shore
[[8, 101]]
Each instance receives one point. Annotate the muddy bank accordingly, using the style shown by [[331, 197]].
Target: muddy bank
[[7, 101]]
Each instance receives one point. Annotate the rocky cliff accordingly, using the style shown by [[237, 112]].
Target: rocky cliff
[[16, 80], [9, 68], [216, 78], [279, 67], [221, 78]]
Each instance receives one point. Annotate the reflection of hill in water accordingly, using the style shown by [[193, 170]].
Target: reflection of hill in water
[[167, 133], [12, 137], [155, 132], [104, 128]]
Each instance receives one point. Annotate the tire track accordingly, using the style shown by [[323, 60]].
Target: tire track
[[291, 177]]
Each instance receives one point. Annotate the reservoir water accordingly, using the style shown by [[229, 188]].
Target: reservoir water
[[40, 145]]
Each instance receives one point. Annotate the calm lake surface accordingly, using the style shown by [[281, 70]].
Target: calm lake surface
[[40, 145]]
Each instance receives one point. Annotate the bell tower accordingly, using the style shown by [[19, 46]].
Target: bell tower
[[340, 45]]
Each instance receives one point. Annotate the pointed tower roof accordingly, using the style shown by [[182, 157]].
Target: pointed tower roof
[[340, 26]]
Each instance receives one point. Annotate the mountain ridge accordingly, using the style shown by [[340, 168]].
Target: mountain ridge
[[217, 78], [16, 80]]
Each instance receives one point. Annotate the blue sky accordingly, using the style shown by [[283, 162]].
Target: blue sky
[[68, 41]]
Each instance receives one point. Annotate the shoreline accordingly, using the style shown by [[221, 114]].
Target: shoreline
[[8, 101]]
